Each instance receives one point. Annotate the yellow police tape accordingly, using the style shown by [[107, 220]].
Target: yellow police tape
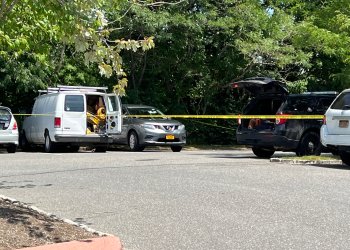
[[211, 116], [231, 116]]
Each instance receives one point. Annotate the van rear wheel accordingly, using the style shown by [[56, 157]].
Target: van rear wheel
[[263, 152], [23, 142], [49, 146]]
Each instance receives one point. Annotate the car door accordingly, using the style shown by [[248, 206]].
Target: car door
[[74, 115], [113, 114], [338, 115]]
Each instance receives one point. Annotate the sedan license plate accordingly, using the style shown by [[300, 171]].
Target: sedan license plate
[[169, 137], [343, 123]]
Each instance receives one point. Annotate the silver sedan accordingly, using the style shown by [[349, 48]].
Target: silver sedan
[[139, 132], [8, 130]]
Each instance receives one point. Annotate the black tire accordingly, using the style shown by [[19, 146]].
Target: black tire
[[345, 157], [176, 148], [263, 152], [101, 149], [12, 149], [49, 146], [23, 142], [133, 142], [309, 144], [73, 148]]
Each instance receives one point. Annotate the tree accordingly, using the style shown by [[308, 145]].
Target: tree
[[47, 29]]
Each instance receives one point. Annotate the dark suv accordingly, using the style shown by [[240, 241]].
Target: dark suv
[[270, 97]]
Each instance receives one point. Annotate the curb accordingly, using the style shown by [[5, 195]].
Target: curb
[[103, 242], [308, 162]]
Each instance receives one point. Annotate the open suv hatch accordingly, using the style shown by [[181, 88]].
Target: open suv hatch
[[265, 136]]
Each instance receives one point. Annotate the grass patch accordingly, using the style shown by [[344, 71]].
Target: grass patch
[[312, 157], [214, 147]]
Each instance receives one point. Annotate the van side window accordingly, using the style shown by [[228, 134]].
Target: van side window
[[74, 103], [112, 103]]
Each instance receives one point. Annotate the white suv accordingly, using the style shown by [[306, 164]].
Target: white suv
[[335, 131], [72, 116]]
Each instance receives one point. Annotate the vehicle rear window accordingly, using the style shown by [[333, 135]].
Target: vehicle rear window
[[5, 118], [297, 104], [74, 103], [5, 115], [323, 104], [342, 102]]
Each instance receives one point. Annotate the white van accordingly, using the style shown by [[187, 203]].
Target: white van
[[72, 116]]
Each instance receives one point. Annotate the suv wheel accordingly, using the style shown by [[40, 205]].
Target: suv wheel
[[133, 142], [263, 152], [309, 145], [345, 157]]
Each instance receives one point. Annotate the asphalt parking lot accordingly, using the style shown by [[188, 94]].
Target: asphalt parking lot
[[201, 199]]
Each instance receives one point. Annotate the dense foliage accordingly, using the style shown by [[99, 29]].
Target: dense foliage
[[199, 48]]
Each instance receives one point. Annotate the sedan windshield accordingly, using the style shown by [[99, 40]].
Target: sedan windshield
[[144, 111]]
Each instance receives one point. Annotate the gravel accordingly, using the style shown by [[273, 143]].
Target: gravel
[[24, 226]]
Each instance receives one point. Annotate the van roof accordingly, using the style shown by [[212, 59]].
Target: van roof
[[62, 88]]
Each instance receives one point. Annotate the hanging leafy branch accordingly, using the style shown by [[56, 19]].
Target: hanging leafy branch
[[30, 28]]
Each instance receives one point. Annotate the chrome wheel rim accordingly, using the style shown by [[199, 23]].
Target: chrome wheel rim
[[132, 141]]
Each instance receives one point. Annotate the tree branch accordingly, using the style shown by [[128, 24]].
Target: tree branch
[[156, 4], [5, 9]]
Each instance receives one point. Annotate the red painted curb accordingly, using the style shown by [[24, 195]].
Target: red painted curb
[[102, 243]]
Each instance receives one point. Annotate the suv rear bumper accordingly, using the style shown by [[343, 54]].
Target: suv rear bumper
[[265, 139], [84, 139]]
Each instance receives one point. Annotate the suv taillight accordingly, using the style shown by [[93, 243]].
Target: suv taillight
[[57, 122], [324, 120], [280, 121], [14, 126]]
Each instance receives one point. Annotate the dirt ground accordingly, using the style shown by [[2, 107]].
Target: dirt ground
[[21, 226]]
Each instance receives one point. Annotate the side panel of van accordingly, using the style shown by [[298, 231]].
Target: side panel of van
[[43, 118]]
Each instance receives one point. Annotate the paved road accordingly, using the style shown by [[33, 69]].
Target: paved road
[[188, 200]]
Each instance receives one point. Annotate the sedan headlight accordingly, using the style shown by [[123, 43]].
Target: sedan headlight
[[181, 127], [148, 126]]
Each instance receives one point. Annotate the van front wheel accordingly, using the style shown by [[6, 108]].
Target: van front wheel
[[49, 146]]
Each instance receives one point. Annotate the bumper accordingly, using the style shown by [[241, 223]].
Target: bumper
[[334, 140], [266, 139], [84, 139], [8, 139], [160, 139]]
